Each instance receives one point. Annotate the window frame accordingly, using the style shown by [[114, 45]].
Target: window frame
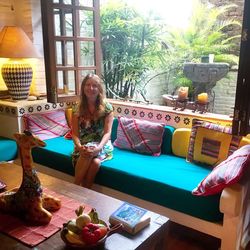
[[242, 98], [49, 41]]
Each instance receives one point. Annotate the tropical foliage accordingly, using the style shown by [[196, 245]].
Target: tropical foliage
[[133, 45], [130, 46], [206, 34]]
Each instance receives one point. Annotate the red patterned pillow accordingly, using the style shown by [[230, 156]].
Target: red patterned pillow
[[140, 136], [47, 125], [226, 173]]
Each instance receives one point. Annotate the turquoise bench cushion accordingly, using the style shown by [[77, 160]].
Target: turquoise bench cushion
[[56, 154], [166, 180], [8, 149]]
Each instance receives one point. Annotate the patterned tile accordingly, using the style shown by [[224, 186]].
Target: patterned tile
[[168, 117], [27, 107]]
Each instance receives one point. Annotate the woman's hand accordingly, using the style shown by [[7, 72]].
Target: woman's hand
[[89, 151]]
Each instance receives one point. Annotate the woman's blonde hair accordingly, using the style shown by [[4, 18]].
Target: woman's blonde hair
[[100, 105]]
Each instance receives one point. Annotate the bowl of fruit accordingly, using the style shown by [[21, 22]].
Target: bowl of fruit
[[87, 230]]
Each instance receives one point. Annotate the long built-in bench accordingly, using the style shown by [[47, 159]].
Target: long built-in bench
[[163, 183]]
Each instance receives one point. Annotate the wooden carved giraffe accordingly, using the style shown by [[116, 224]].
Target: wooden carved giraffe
[[29, 201]]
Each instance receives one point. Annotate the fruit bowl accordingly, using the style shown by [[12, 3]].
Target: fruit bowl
[[86, 230], [100, 242]]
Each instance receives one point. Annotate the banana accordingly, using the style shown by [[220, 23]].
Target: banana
[[73, 238], [71, 226], [94, 216]]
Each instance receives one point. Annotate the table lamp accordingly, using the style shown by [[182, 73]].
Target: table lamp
[[16, 72]]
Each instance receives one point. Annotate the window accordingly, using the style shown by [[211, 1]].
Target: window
[[72, 49], [71, 45]]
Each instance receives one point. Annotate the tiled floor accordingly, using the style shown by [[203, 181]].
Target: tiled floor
[[183, 238]]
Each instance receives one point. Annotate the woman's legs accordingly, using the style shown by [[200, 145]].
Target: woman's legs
[[92, 171], [81, 168]]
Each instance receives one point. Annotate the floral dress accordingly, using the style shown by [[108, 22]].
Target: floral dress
[[91, 133]]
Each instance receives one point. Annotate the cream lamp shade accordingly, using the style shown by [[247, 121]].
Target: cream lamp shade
[[17, 74]]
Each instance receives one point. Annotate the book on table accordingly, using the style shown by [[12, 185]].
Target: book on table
[[132, 217]]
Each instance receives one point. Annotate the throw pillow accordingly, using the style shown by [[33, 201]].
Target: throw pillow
[[47, 125], [211, 143], [226, 173], [180, 141], [140, 136]]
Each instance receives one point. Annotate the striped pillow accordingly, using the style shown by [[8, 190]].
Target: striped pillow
[[47, 125], [226, 173], [211, 143], [140, 136]]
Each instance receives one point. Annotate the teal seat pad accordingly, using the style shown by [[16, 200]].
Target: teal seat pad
[[8, 149], [166, 180], [56, 154]]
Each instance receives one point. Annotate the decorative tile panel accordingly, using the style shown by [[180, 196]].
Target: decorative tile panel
[[165, 114], [20, 108]]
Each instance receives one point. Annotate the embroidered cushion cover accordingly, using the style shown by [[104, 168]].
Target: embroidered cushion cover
[[139, 136], [47, 125], [211, 143], [226, 173]]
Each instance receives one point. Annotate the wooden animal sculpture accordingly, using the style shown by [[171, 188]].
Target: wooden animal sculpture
[[29, 201]]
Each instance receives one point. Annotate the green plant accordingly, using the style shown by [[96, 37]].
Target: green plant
[[205, 34], [130, 46]]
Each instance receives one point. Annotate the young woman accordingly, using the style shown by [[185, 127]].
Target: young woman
[[91, 130]]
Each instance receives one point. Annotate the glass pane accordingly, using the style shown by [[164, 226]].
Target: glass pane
[[58, 30], [87, 53], [88, 3], [69, 48], [67, 1], [59, 53], [83, 73], [86, 23], [55, 1], [60, 80], [68, 23], [70, 76]]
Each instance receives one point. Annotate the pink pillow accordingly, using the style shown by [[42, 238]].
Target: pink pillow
[[140, 136], [226, 173], [47, 125]]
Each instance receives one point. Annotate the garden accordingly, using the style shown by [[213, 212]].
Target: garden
[[143, 57]]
